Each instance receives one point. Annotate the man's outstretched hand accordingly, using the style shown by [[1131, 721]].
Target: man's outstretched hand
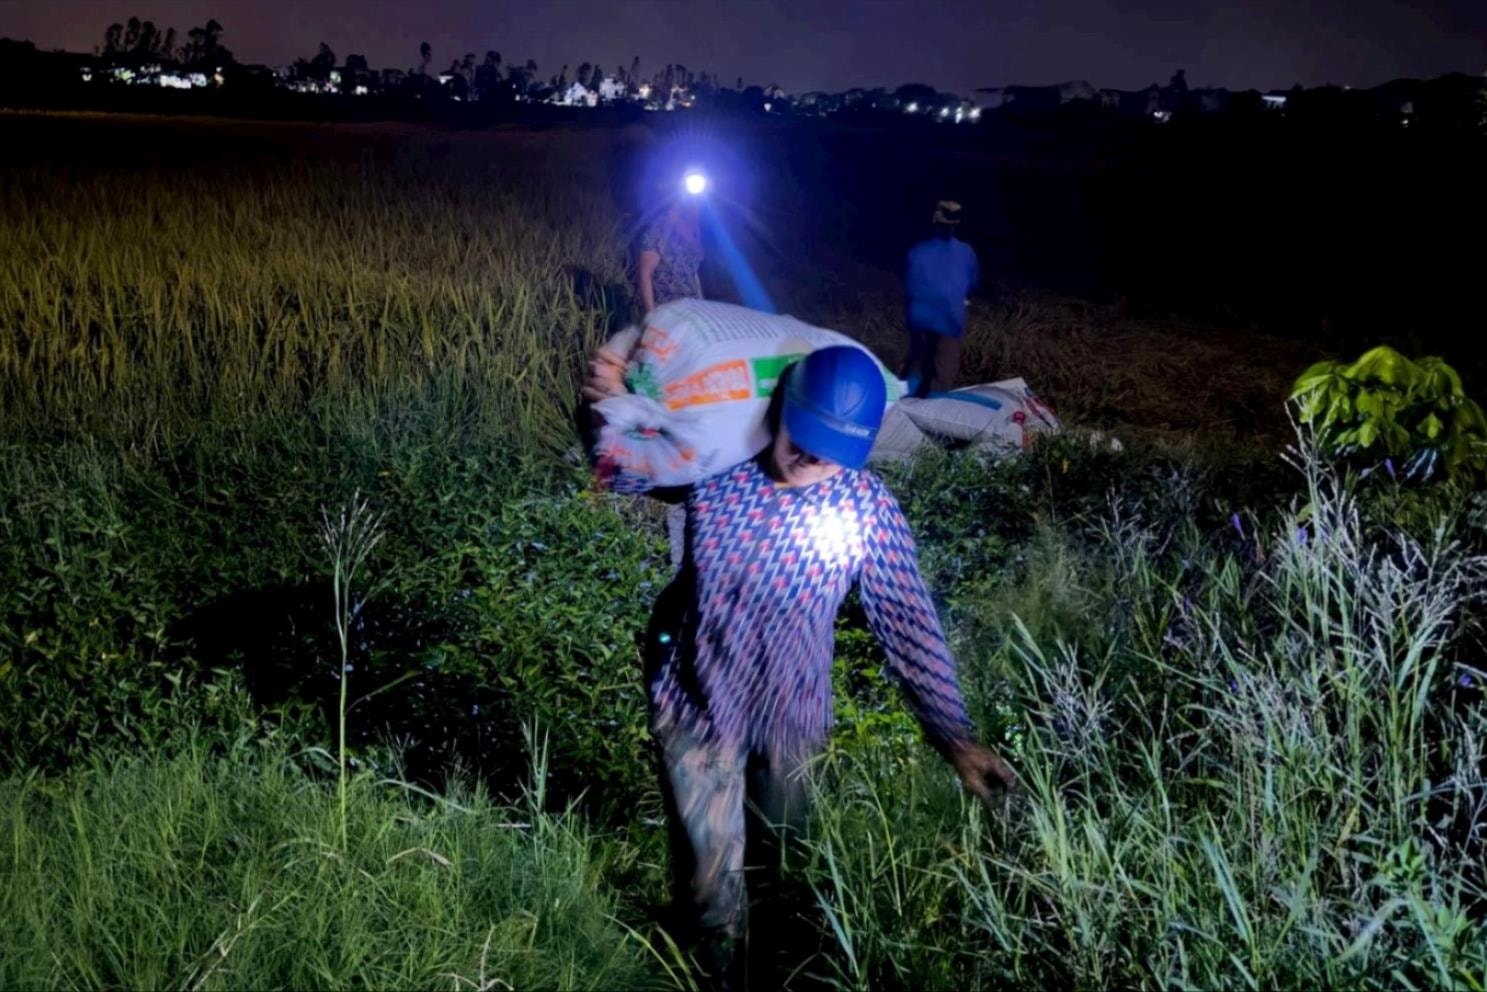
[[981, 769]]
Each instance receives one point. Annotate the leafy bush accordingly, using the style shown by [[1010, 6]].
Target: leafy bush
[[556, 590], [502, 593], [1384, 407]]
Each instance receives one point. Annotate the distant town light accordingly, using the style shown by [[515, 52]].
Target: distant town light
[[975, 114], [912, 108], [360, 91], [768, 106], [944, 111]]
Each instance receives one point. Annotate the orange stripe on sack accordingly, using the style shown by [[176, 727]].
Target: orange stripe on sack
[[714, 384], [659, 342]]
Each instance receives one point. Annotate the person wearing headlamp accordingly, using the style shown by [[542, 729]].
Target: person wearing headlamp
[[739, 652], [671, 247]]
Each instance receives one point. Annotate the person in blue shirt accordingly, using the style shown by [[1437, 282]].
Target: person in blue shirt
[[940, 273]]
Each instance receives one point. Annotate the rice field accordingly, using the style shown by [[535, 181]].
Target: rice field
[[147, 298], [1244, 696]]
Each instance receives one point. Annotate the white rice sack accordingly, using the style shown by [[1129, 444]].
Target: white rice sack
[[700, 378], [1000, 417], [899, 439]]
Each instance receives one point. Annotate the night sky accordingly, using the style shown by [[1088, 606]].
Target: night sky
[[835, 44]]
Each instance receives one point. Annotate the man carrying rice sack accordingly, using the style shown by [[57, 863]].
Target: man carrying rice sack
[[739, 652], [686, 395]]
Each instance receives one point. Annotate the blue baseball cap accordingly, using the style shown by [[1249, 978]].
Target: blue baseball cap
[[834, 402]]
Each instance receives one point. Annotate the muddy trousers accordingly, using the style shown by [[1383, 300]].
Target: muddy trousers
[[729, 812]]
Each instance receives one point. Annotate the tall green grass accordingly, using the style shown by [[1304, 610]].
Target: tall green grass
[[1261, 769], [1249, 759], [203, 870]]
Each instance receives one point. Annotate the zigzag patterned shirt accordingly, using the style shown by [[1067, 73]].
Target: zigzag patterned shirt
[[769, 567]]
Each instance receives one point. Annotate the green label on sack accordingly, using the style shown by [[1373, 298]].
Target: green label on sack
[[642, 380], [767, 372]]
